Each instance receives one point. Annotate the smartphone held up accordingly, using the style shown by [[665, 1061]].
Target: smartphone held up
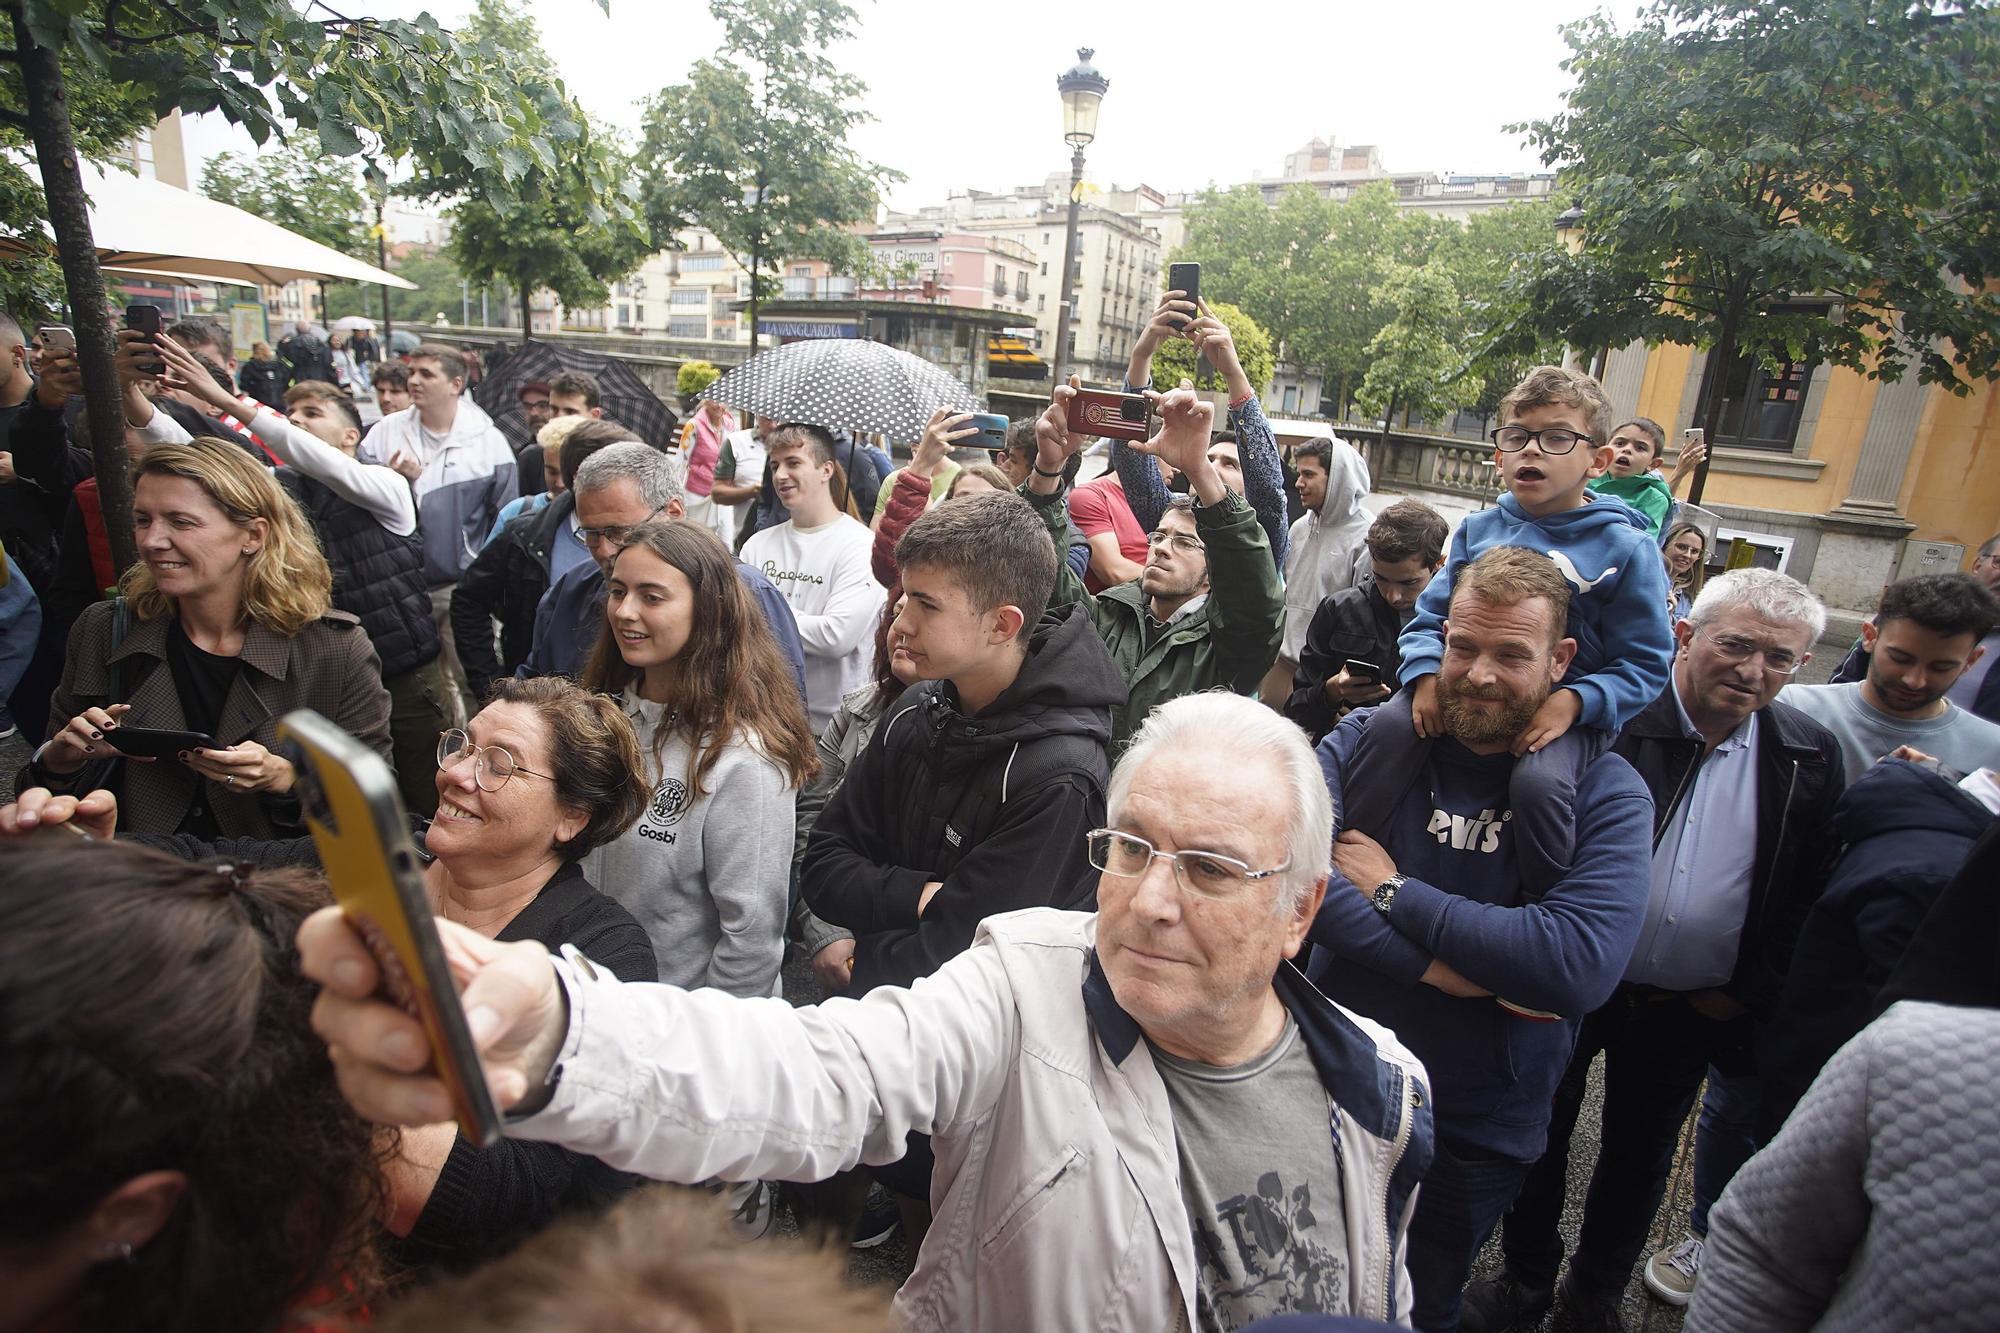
[[351, 807]]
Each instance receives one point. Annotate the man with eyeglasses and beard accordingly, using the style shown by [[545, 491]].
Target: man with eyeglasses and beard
[[1744, 788], [1436, 929]]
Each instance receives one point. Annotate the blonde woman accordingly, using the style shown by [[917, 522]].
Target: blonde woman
[[224, 625]]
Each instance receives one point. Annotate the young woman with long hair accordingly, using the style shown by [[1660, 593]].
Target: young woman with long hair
[[687, 651], [1685, 549]]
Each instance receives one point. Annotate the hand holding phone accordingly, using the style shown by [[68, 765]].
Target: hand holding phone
[[351, 806], [144, 320], [157, 742], [1186, 279], [1119, 416], [56, 339]]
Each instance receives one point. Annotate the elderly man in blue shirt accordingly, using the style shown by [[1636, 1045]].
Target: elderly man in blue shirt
[[1742, 790]]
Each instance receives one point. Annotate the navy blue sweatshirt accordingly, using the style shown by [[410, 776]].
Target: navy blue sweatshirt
[[1493, 1073]]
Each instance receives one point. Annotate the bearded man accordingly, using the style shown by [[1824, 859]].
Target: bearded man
[[1428, 928]]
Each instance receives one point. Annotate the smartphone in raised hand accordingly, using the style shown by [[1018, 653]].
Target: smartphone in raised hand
[[357, 821]]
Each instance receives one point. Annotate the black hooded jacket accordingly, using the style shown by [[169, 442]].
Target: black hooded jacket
[[994, 806], [1907, 831]]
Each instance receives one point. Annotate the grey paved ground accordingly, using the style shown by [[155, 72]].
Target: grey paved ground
[[890, 1262]]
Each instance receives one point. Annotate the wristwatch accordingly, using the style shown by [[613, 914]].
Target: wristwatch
[[1385, 893]]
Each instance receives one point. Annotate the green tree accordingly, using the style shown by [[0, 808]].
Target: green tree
[[302, 188], [486, 121], [1485, 261], [438, 289], [1309, 269], [574, 225], [753, 147], [299, 186], [1794, 180], [1414, 361], [1175, 360]]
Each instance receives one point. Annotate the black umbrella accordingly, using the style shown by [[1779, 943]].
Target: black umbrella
[[843, 384], [625, 396]]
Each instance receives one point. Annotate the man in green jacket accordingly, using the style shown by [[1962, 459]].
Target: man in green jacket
[[1207, 609]]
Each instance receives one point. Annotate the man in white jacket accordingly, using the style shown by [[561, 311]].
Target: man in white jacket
[[1328, 551], [1144, 1118]]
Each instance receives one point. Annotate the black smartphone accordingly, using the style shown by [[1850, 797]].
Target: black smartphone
[[1361, 670], [357, 821], [157, 742], [992, 435], [1185, 278], [145, 319]]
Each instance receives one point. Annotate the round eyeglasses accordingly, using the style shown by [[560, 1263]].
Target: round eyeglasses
[[492, 766]]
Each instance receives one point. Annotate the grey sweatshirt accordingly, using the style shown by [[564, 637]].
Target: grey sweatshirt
[[1872, 1209], [709, 879]]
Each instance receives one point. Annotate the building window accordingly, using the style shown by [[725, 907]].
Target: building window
[[687, 326], [1045, 238], [1045, 268], [688, 296], [1760, 408], [1041, 304], [802, 270], [701, 263], [624, 315]]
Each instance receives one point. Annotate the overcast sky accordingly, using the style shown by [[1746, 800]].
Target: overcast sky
[[964, 96]]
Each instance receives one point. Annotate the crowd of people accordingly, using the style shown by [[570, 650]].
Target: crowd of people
[[1216, 890]]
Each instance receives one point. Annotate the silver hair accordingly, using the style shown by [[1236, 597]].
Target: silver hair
[[1266, 749], [658, 477], [1763, 592]]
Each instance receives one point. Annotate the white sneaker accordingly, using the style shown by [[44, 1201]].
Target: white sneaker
[[1671, 1274]]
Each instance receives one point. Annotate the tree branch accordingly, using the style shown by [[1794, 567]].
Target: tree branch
[[14, 118]]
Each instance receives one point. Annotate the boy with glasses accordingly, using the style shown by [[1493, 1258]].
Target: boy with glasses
[[1552, 440]]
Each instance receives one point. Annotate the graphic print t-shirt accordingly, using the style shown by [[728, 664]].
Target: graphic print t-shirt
[[1260, 1185]]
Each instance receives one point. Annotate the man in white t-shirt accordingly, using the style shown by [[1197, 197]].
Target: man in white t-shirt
[[819, 560]]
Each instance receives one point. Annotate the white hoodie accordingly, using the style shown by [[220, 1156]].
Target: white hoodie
[[1329, 549]]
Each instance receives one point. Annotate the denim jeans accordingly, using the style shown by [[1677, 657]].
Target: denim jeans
[[1724, 1139], [1462, 1200], [1657, 1047]]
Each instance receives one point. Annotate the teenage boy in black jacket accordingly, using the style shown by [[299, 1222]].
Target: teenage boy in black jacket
[[1362, 623], [974, 795]]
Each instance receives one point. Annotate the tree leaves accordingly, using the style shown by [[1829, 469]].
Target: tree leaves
[[1731, 158]]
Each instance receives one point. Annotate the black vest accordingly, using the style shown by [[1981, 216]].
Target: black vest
[[378, 577]]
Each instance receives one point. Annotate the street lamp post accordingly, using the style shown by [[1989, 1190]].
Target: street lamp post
[[1082, 89], [378, 187]]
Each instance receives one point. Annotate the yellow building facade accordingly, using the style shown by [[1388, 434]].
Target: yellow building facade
[[1856, 481]]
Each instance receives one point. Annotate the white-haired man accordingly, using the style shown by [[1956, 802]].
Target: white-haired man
[[1143, 1118]]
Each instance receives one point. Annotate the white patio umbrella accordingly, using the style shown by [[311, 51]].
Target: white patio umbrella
[[349, 323], [145, 225]]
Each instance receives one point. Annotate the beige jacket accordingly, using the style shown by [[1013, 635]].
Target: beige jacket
[[1056, 1192]]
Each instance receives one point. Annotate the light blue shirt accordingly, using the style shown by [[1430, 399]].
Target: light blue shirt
[[1701, 870], [567, 551], [513, 509]]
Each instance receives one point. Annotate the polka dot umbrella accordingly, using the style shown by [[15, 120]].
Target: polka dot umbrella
[[843, 384]]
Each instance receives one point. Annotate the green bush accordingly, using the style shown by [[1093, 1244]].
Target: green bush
[[694, 377]]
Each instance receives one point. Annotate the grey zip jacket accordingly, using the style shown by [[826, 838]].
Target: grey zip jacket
[[1056, 1191]]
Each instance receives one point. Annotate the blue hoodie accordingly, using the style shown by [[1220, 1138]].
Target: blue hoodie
[[1493, 1073], [1618, 617]]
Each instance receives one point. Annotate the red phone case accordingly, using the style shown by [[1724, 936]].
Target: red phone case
[[1101, 412]]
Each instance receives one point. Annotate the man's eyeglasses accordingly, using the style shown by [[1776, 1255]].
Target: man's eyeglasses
[[1735, 648], [1552, 440], [1205, 874], [492, 766], [619, 535], [1179, 541]]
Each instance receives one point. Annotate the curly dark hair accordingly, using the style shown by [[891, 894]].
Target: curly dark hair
[[153, 1018]]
